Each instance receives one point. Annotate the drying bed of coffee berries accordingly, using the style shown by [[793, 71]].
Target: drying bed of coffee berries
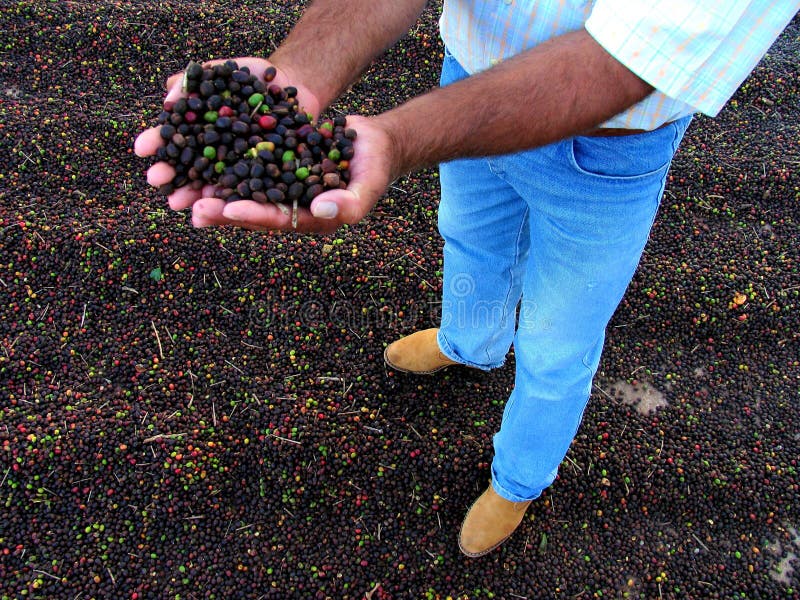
[[204, 413], [251, 139]]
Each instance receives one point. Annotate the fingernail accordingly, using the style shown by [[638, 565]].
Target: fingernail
[[230, 212], [325, 210], [172, 96]]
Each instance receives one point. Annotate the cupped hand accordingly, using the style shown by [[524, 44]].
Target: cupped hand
[[372, 169], [206, 208]]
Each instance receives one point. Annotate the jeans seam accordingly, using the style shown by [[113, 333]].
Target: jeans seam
[[513, 278]]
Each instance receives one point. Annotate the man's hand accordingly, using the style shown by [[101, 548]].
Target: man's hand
[[206, 208], [371, 171]]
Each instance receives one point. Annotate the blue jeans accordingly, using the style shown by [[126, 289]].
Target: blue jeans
[[539, 249]]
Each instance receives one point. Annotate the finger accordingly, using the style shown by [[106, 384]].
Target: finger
[[255, 216], [258, 216], [326, 205], [184, 197], [159, 174], [345, 206], [174, 93], [173, 79], [148, 142], [208, 211]]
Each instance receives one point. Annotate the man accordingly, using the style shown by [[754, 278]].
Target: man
[[555, 125]]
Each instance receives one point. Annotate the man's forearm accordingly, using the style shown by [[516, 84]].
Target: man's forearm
[[336, 40], [558, 89]]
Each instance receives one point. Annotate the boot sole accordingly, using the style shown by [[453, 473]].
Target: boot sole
[[483, 552]]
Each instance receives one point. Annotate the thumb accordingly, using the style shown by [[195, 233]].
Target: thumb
[[336, 204], [174, 92], [347, 206]]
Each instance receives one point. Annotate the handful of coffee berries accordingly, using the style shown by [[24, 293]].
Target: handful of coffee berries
[[251, 140]]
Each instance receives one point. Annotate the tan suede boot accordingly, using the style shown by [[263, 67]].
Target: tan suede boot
[[489, 522], [417, 353]]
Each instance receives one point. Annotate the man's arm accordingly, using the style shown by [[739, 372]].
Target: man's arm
[[335, 41], [559, 89]]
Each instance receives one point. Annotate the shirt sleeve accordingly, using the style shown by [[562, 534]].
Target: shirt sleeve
[[693, 51]]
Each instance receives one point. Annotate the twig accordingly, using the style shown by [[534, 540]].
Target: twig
[[605, 393], [574, 464], [169, 335], [401, 257], [368, 595], [104, 247], [234, 366], [158, 339], [699, 541], [286, 439], [191, 380], [163, 436]]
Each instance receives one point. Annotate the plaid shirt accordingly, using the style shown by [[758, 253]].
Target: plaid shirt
[[695, 53]]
